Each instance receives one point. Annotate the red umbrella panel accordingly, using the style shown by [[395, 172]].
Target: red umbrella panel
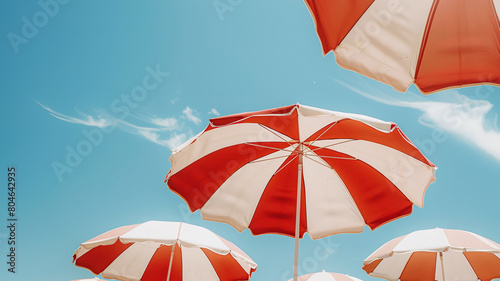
[[436, 44]]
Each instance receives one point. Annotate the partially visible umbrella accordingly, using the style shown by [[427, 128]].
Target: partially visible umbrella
[[164, 251], [436, 254], [299, 169], [436, 44], [327, 276], [91, 279]]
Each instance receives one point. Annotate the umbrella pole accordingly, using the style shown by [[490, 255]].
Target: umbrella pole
[[442, 265], [172, 253], [297, 216]]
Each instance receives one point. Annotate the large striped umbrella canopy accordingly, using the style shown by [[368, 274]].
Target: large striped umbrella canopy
[[164, 251], [327, 276], [435, 44], [298, 169], [436, 254]]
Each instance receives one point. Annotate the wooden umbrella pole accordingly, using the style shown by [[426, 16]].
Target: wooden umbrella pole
[[297, 215], [172, 253]]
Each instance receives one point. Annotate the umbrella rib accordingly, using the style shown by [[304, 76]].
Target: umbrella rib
[[333, 144], [277, 149], [281, 168], [274, 133], [333, 124], [326, 164], [270, 147], [333, 157], [267, 159]]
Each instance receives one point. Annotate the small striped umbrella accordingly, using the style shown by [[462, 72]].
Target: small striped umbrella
[[436, 254], [164, 251], [326, 276]]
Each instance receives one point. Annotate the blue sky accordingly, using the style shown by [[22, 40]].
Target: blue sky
[[96, 93]]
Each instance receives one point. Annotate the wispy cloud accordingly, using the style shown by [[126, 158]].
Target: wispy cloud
[[471, 120], [188, 113], [86, 120], [172, 142], [163, 131], [166, 123], [214, 112], [132, 128]]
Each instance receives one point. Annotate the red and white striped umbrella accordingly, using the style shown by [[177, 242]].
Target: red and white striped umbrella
[[436, 254], [298, 169], [327, 276], [435, 44], [159, 251]]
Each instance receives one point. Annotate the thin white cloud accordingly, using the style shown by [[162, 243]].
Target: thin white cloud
[[214, 112], [87, 120], [161, 124], [167, 123], [176, 140], [162, 131], [455, 114], [188, 113], [126, 126], [467, 120], [171, 143]]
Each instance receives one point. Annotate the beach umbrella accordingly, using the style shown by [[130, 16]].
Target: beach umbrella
[[298, 169], [327, 276], [164, 251], [434, 44], [436, 254]]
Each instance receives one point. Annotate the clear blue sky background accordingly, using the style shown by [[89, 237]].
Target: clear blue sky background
[[70, 68]]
